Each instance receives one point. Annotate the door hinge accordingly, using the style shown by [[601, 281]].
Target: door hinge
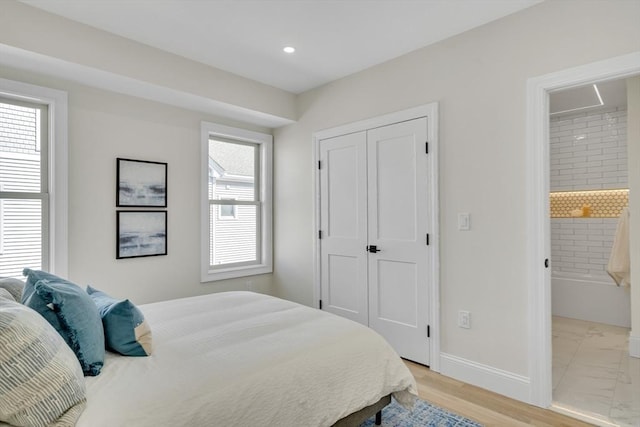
[[427, 239], [319, 234], [319, 164], [428, 331], [320, 304], [426, 147]]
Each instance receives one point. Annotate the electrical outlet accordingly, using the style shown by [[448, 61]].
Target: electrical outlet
[[464, 319], [249, 285]]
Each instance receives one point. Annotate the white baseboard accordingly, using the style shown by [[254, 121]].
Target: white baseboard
[[634, 345], [503, 382]]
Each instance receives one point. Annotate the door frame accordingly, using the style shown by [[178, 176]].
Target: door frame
[[538, 230], [430, 111]]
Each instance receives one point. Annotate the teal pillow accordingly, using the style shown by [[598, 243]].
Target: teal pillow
[[126, 331], [71, 312]]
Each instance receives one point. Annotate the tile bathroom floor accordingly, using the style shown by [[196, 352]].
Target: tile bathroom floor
[[593, 373]]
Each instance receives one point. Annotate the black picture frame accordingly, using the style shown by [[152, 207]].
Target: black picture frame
[[141, 233], [141, 184]]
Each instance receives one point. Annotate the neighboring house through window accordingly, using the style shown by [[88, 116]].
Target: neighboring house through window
[[33, 195], [236, 202], [227, 211]]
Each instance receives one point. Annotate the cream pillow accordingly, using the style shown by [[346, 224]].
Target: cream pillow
[[41, 381]]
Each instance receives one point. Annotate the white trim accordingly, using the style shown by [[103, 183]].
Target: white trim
[[634, 345], [427, 110], [539, 283], [56, 101], [265, 142], [497, 380], [430, 111]]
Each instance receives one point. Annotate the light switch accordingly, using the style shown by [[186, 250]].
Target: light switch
[[464, 222]]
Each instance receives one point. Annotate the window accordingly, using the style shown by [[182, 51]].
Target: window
[[227, 211], [33, 179], [236, 202]]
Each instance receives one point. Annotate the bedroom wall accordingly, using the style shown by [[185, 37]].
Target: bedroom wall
[[479, 79], [105, 125]]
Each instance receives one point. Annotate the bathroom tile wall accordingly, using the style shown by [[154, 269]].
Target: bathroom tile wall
[[588, 151], [580, 247]]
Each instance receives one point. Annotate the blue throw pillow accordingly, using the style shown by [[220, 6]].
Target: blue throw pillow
[[71, 312], [126, 331]]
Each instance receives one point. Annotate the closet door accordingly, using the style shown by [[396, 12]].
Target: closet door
[[398, 209], [343, 219]]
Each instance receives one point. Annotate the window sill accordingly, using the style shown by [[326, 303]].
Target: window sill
[[232, 273]]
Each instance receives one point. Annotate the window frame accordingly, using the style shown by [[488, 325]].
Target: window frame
[[263, 228], [55, 226]]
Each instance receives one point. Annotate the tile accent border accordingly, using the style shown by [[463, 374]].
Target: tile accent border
[[588, 204]]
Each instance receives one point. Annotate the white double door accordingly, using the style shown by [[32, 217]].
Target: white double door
[[374, 250]]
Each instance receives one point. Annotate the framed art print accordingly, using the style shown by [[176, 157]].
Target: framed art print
[[141, 233], [141, 184]]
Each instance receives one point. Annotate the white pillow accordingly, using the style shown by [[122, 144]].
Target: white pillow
[[14, 286], [6, 294], [41, 381]]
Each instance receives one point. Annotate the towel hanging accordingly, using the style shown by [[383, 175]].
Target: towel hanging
[[619, 267]]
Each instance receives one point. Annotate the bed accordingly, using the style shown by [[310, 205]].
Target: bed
[[247, 359]]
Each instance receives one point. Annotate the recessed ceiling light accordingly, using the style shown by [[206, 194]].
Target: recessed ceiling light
[[289, 49]]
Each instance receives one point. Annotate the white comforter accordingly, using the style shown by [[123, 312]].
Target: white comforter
[[246, 359]]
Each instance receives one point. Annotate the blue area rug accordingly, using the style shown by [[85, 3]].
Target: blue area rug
[[423, 415]]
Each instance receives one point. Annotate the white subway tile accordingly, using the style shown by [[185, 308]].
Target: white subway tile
[[603, 157]]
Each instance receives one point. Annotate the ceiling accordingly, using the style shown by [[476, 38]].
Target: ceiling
[[333, 38], [584, 98]]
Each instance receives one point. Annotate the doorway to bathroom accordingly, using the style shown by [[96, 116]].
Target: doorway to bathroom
[[592, 372], [539, 90]]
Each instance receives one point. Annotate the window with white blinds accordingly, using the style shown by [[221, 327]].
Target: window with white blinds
[[24, 189], [34, 178]]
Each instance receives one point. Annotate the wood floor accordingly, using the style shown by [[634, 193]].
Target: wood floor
[[485, 407]]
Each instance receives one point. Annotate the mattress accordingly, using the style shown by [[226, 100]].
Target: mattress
[[246, 359]]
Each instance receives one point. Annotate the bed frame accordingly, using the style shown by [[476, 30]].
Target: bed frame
[[357, 418]]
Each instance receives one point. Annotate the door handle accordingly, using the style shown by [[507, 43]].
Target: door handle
[[373, 249]]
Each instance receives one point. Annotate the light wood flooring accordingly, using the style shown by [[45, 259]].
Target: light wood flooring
[[483, 406]]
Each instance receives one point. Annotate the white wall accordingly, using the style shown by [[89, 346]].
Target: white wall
[[633, 135], [103, 126], [479, 78]]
